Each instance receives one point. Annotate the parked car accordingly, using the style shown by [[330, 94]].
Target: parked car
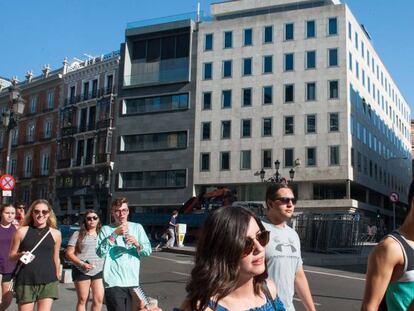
[[66, 231]]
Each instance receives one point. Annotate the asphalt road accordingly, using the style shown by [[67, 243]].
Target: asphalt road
[[164, 276]]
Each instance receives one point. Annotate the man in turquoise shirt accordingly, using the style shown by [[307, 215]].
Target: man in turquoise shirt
[[122, 245]]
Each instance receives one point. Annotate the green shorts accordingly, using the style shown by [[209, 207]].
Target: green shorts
[[32, 293]]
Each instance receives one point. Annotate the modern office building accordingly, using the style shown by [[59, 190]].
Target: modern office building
[[299, 82], [155, 120], [84, 155]]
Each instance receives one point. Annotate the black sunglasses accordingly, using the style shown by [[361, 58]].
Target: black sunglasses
[[286, 200], [43, 212], [92, 218], [262, 237]]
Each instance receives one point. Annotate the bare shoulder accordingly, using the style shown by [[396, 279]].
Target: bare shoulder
[[55, 233], [388, 250], [272, 287], [21, 231]]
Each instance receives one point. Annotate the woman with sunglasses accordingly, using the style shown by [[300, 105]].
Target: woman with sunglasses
[[7, 230], [87, 273], [230, 271], [37, 279]]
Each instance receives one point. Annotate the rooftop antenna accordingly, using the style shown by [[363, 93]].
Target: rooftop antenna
[[198, 12]]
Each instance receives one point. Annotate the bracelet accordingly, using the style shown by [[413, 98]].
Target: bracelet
[[82, 264]]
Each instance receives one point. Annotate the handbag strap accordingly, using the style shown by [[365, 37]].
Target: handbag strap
[[41, 240], [268, 295]]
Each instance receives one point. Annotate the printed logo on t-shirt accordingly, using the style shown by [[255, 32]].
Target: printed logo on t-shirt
[[287, 248]]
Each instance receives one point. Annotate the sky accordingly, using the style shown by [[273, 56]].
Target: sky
[[35, 33]]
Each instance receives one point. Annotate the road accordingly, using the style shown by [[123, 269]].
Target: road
[[164, 276]]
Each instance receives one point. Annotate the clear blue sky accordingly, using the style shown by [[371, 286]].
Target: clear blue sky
[[34, 33]]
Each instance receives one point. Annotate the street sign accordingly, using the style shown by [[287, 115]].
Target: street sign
[[7, 182], [7, 193], [394, 197]]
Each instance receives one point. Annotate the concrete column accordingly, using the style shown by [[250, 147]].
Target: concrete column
[[348, 189], [305, 191]]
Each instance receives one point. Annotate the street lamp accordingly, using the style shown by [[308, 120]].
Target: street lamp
[[277, 177], [11, 119]]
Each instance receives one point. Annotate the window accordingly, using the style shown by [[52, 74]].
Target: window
[[289, 93], [109, 84], [13, 166], [227, 68], [30, 132], [206, 131], [333, 89], [267, 95], [349, 31], [357, 72], [50, 99], [267, 158], [33, 104], [47, 128], [267, 64], [248, 36], [225, 160], [268, 34], [332, 57], [289, 125], [228, 39], [2, 138], [350, 61], [311, 156], [289, 31], [333, 155], [154, 104], [247, 66], [207, 101], [15, 135], [208, 42], [208, 71], [226, 129], [152, 179], [310, 29], [288, 157], [334, 122], [289, 62], [356, 41], [245, 159], [28, 165], [226, 99], [247, 97], [267, 127], [310, 126], [153, 142], [311, 91], [332, 26], [310, 59], [246, 128], [44, 169], [205, 162]]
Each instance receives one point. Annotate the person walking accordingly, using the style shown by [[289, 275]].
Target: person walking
[[20, 212], [37, 279], [390, 273], [172, 226], [7, 230], [229, 271], [283, 255], [87, 270], [122, 245]]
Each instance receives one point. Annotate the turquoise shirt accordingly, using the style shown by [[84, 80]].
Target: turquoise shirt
[[121, 267]]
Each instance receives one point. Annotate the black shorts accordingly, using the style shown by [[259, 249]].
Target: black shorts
[[79, 276], [6, 277]]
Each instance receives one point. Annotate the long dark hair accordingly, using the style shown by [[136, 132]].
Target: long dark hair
[[84, 229], [217, 260]]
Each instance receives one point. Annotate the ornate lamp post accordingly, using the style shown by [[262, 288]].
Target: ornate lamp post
[[277, 177]]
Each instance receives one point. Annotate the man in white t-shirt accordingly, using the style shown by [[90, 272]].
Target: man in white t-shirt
[[283, 257]]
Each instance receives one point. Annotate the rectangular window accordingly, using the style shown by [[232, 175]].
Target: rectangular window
[[333, 89], [289, 62], [332, 57], [226, 99], [356, 41], [33, 104], [247, 66], [47, 128], [268, 34], [245, 159], [207, 101], [349, 31], [227, 68], [205, 162], [333, 155], [310, 126], [228, 39], [44, 169], [267, 158], [267, 127], [311, 91], [357, 70], [225, 160], [288, 157], [289, 125], [152, 179], [289, 93], [208, 42], [248, 37], [30, 132], [332, 26], [247, 97], [246, 128], [310, 59], [226, 129], [310, 29], [208, 71], [334, 122], [267, 64], [206, 131], [267, 95], [359, 162], [155, 141], [350, 61], [28, 165], [154, 104], [289, 31], [50, 99], [311, 156]]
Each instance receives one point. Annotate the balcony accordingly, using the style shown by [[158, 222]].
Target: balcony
[[100, 158], [103, 124], [64, 163], [72, 100], [68, 131], [86, 127]]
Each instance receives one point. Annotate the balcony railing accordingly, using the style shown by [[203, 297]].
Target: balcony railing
[[103, 123], [69, 130], [64, 163]]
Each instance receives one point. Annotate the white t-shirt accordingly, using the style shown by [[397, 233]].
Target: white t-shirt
[[283, 259]]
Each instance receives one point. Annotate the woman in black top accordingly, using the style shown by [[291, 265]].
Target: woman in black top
[[37, 281]]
